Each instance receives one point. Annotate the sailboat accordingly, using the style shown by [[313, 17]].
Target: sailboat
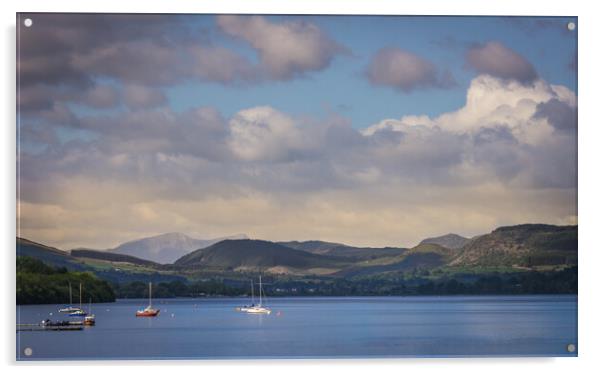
[[148, 311], [90, 319], [259, 308], [79, 312], [70, 308]]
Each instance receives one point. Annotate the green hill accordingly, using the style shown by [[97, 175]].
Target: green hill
[[49, 255], [451, 241], [525, 245], [111, 257], [247, 254], [342, 250], [423, 256], [107, 266]]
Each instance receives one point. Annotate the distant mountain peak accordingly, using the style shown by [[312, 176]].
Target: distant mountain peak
[[165, 236], [451, 241], [168, 247]]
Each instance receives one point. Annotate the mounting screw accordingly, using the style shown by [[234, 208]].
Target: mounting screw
[[28, 22]]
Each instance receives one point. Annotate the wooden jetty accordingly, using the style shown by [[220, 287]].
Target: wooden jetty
[[42, 327]]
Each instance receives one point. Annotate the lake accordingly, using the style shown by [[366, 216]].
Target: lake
[[319, 327]]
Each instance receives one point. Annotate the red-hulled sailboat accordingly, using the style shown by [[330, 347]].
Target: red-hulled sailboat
[[148, 311]]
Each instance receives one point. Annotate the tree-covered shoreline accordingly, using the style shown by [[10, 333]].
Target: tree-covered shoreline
[[38, 283], [521, 283]]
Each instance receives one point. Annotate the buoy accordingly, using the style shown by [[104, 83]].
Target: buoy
[[50, 313], [172, 315]]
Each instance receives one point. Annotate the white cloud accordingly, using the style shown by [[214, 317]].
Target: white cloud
[[286, 49], [263, 133], [490, 103]]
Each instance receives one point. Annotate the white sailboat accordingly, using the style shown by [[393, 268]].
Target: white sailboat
[[79, 312], [70, 308], [259, 308]]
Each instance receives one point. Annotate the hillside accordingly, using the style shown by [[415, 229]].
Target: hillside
[[312, 246], [49, 255], [102, 264], [166, 248], [38, 283], [342, 250], [451, 241], [423, 257], [247, 254], [111, 257], [523, 245]]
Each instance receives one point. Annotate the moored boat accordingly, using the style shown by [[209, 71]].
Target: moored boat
[[259, 308], [90, 319], [70, 308], [78, 312], [149, 311]]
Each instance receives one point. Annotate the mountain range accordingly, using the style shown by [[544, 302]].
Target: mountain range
[[527, 247], [166, 248]]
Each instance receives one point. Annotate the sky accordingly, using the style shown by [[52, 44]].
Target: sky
[[364, 130]]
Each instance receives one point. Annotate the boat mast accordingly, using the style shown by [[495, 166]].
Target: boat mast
[[252, 293], [150, 292], [70, 295], [260, 290], [80, 296]]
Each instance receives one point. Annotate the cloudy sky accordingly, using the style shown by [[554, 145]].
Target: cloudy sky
[[363, 130]]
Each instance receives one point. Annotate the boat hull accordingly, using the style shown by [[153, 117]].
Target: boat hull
[[78, 314], [256, 310], [69, 310], [90, 320], [147, 313]]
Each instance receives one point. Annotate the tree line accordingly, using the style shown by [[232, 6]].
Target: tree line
[[137, 289], [38, 283], [532, 282]]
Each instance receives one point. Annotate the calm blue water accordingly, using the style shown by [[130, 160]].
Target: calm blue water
[[313, 327]]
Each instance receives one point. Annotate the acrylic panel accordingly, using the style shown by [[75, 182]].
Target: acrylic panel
[[295, 186]]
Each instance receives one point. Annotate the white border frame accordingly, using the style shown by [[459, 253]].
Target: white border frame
[[589, 178]]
